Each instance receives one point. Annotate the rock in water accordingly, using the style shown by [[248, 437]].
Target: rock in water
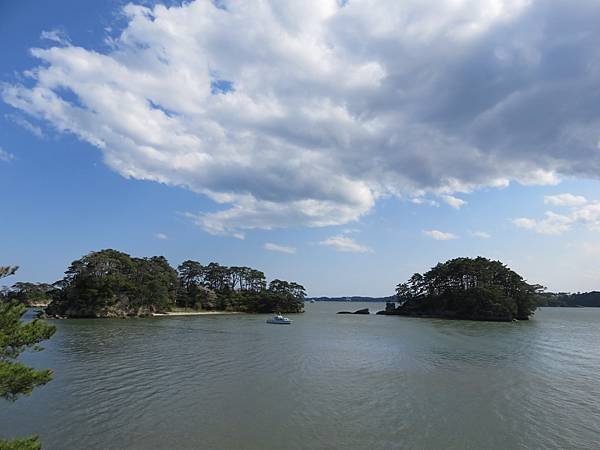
[[360, 311]]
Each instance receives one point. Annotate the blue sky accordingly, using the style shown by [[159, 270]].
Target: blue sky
[[344, 160]]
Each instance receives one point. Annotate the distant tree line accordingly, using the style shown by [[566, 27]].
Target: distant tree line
[[468, 288], [355, 298], [110, 283], [587, 299]]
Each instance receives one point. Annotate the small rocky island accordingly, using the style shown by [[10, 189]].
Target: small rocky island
[[359, 311], [469, 289]]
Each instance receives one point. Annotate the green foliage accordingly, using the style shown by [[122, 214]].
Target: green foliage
[[30, 443], [587, 299], [15, 338], [192, 290], [15, 378], [6, 271], [156, 283], [216, 287], [476, 288], [28, 293], [111, 283]]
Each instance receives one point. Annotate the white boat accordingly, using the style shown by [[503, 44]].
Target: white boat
[[278, 319]]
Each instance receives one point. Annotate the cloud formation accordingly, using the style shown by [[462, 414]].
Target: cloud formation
[[454, 202], [57, 36], [345, 244], [565, 200], [279, 248], [24, 123], [439, 235], [6, 156], [579, 211], [424, 201], [305, 113], [161, 236]]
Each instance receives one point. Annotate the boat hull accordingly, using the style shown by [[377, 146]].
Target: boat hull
[[279, 322]]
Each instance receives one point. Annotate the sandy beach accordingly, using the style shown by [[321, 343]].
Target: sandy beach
[[195, 313]]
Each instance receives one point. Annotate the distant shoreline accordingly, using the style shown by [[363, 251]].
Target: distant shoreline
[[354, 299]]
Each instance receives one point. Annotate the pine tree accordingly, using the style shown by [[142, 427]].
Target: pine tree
[[16, 336]]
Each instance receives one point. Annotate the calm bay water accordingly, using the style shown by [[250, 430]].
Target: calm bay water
[[326, 382]]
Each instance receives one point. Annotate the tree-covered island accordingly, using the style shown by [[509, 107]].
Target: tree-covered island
[[467, 288], [110, 283]]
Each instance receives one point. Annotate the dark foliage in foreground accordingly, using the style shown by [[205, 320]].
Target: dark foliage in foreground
[[30, 443], [17, 336]]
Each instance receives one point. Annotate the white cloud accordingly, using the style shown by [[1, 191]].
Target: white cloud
[[481, 234], [424, 201], [439, 235], [280, 114], [580, 211], [279, 248], [24, 123], [6, 156], [345, 244], [539, 177], [57, 36], [588, 214], [551, 224], [161, 236], [565, 200], [455, 202]]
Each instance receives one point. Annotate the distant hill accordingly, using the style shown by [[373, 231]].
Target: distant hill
[[355, 298], [546, 299], [562, 299]]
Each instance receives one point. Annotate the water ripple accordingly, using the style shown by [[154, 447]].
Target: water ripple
[[325, 382]]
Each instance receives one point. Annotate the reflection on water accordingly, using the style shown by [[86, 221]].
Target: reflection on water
[[327, 381]]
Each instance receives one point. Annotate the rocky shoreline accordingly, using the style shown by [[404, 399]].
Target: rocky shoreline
[[392, 310]]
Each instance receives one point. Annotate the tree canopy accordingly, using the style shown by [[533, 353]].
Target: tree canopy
[[235, 289], [468, 288], [29, 294], [111, 283], [5, 271]]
